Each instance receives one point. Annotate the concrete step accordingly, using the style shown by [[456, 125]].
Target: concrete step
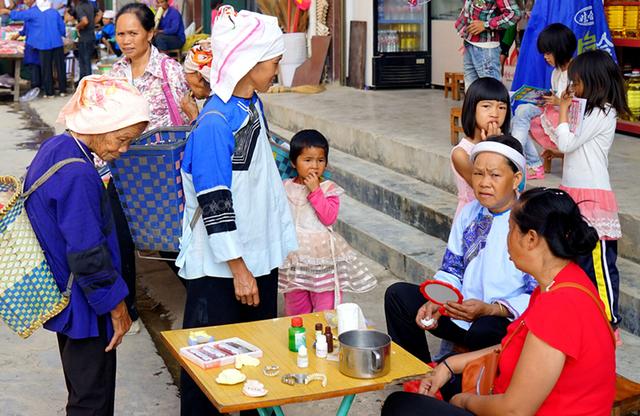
[[407, 131], [406, 251]]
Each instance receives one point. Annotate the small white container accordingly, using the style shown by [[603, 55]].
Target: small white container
[[303, 358], [321, 346]]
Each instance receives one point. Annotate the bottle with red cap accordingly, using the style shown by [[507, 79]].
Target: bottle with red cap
[[297, 334]]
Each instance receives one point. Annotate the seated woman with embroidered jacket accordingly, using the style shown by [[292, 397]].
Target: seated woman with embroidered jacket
[[558, 357], [475, 262]]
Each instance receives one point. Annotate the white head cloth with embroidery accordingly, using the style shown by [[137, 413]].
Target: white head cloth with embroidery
[[494, 147], [102, 104], [240, 40]]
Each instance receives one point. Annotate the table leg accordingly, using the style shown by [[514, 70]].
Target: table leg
[[16, 77], [267, 411], [343, 410]]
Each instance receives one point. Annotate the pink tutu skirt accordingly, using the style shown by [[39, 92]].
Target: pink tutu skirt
[[600, 209], [543, 127]]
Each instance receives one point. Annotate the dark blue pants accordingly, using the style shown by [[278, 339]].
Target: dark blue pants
[[212, 301], [85, 53], [49, 60], [167, 42], [413, 404]]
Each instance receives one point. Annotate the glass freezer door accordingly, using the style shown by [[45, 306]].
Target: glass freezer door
[[401, 27]]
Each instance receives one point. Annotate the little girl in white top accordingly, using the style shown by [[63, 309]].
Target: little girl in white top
[[314, 276], [596, 77], [486, 109]]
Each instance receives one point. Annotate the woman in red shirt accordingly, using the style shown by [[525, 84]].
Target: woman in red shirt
[[560, 354]]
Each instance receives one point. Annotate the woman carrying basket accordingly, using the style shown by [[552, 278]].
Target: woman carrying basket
[[237, 226], [72, 220]]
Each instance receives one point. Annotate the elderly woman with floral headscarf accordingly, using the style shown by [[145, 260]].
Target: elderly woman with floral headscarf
[[72, 219], [237, 227], [197, 70]]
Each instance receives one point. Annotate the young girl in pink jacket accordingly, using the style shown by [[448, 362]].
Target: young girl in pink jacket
[[313, 277]]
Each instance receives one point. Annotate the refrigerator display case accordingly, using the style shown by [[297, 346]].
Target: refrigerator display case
[[401, 44]]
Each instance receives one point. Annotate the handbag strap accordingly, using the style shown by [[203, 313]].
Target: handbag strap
[[49, 173], [593, 297], [198, 212], [174, 113]]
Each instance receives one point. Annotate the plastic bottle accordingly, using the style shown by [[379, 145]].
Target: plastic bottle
[[633, 94], [303, 358], [321, 346], [297, 334]]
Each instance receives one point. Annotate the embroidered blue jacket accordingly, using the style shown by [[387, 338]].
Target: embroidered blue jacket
[[72, 219]]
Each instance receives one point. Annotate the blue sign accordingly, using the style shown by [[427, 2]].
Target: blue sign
[[587, 20]]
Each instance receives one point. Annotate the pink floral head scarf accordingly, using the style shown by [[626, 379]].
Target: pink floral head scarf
[[102, 104]]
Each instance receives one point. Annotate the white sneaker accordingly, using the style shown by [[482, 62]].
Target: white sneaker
[[135, 327]]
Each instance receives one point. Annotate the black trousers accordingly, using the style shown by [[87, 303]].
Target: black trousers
[[601, 268], [127, 250], [89, 372], [413, 404], [401, 303], [34, 75], [85, 53], [50, 59], [212, 301]]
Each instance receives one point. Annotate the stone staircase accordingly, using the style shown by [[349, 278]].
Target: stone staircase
[[400, 201]]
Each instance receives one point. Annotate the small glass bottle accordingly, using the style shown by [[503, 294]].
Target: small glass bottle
[[329, 337], [297, 334], [303, 357]]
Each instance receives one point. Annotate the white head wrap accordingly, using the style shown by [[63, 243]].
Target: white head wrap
[[502, 149], [43, 5], [109, 14], [240, 40]]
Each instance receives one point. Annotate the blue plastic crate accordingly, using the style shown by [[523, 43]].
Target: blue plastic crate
[[149, 184]]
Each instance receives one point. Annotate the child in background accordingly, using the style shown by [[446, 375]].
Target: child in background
[[107, 35], [485, 111], [596, 77], [558, 44], [313, 277]]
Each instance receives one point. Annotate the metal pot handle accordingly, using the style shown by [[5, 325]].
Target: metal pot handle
[[377, 361]]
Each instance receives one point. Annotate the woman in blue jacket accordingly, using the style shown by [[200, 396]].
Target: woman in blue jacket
[[170, 30], [45, 32]]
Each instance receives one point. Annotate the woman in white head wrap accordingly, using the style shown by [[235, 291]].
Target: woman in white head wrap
[[242, 228], [197, 69]]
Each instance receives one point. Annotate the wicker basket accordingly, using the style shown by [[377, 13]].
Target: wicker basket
[[149, 184], [29, 295]]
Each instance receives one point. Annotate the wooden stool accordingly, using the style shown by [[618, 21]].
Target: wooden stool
[[174, 53], [627, 397], [448, 84], [547, 158], [458, 86], [455, 120]]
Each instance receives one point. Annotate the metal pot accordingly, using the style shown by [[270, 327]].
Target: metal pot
[[364, 353]]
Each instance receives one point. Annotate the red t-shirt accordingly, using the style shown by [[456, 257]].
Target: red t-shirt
[[569, 321]]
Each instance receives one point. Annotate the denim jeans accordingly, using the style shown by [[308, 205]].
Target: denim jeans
[[520, 125], [480, 63], [167, 42]]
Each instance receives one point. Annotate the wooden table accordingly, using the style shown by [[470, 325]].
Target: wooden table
[[17, 59], [272, 337]]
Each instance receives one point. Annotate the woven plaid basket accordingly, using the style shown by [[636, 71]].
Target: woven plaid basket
[[29, 295], [149, 184]]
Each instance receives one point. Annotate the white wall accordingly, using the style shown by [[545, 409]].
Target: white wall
[[446, 55], [361, 10]]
